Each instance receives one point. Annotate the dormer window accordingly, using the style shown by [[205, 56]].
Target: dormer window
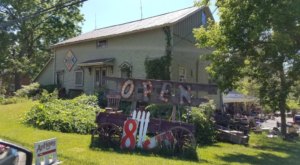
[[101, 44]]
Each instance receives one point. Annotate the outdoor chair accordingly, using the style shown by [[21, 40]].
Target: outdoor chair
[[113, 102]]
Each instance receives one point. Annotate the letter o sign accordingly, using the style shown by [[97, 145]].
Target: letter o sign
[[127, 89]]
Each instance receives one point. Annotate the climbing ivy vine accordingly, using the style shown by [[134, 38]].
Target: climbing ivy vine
[[159, 68]]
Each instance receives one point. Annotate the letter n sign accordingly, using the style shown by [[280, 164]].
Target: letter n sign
[[185, 94]]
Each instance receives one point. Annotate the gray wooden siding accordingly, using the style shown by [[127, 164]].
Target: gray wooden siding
[[134, 49], [46, 77], [184, 28]]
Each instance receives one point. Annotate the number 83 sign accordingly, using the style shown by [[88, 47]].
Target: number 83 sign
[[139, 120]]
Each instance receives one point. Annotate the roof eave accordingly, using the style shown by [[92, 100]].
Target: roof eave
[[38, 75], [95, 64], [200, 8], [110, 36]]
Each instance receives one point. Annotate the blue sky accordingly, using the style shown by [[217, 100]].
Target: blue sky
[[112, 12]]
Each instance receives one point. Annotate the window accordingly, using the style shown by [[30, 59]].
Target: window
[[79, 78], [101, 44], [182, 74], [126, 70], [125, 73]]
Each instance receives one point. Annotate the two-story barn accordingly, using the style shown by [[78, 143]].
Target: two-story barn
[[121, 50]]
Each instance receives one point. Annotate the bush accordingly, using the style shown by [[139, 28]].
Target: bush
[[28, 90], [70, 116], [46, 96], [49, 88], [160, 110], [205, 133], [2, 90], [2, 97], [9, 100], [125, 106], [101, 97], [86, 100], [73, 93]]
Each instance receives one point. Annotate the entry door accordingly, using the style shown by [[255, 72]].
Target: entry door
[[99, 74], [60, 79]]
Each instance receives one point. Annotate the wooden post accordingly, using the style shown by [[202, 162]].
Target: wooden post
[[173, 115], [133, 105]]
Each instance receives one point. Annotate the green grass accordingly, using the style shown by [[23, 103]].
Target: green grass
[[74, 148]]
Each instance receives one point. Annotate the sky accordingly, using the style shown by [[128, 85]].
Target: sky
[[103, 13]]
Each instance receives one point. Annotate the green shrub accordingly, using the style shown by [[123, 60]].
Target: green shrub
[[49, 88], [205, 133], [46, 96], [9, 100], [73, 93], [70, 116], [125, 106], [101, 96], [86, 100], [2, 90], [163, 111], [2, 97], [28, 90]]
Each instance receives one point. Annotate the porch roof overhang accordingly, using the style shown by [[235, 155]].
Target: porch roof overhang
[[235, 97], [98, 62]]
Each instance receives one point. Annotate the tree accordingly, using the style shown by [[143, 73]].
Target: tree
[[293, 101], [247, 86], [259, 39], [28, 28]]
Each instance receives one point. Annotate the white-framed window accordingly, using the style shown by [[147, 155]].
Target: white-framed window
[[182, 74], [99, 74], [79, 78], [101, 44]]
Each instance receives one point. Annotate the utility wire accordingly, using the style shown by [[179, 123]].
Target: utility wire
[[44, 11]]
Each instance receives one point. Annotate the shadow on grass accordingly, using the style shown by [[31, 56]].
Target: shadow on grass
[[291, 149], [190, 155], [262, 158], [280, 145], [210, 145]]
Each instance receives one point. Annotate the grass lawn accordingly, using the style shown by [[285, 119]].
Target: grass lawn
[[74, 148]]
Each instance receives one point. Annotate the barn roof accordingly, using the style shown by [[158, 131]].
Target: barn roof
[[162, 20]]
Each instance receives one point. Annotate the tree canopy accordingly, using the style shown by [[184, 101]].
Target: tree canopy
[[259, 39], [29, 27]]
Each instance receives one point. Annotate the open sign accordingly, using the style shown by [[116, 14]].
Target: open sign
[[159, 91]]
